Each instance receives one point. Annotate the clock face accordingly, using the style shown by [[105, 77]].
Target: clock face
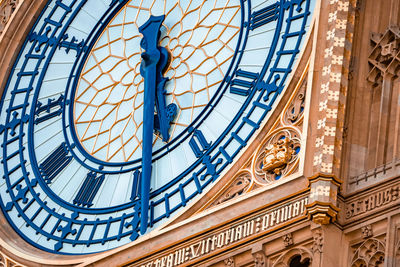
[[83, 90]]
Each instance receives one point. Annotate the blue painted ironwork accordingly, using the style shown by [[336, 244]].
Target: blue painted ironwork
[[243, 87], [136, 185], [48, 109], [12, 125], [89, 189], [22, 186], [201, 145], [79, 47], [265, 15], [65, 231], [154, 60], [55, 163], [42, 39]]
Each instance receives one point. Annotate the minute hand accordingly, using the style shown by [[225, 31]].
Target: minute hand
[[151, 32]]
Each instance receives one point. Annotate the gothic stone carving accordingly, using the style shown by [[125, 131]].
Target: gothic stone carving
[[288, 239], [296, 109], [370, 253], [285, 259], [366, 231], [318, 239], [8, 262], [259, 259], [385, 54], [322, 207], [7, 8], [239, 185], [229, 262], [277, 156]]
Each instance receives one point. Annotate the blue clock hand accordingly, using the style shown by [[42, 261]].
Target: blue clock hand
[[151, 32], [165, 114]]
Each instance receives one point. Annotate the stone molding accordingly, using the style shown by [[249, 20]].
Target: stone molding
[[375, 175], [8, 262], [223, 238], [285, 259], [371, 201], [7, 8], [322, 207]]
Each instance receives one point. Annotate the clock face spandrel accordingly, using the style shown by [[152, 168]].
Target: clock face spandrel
[[80, 173]]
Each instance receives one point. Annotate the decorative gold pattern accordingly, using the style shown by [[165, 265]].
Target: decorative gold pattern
[[277, 156], [201, 37]]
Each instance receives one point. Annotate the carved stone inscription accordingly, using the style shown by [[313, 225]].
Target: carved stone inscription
[[372, 201], [235, 233]]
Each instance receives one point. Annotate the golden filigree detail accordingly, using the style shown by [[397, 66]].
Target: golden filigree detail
[[201, 37], [277, 156]]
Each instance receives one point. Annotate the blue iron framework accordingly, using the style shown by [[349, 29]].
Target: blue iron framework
[[66, 225]]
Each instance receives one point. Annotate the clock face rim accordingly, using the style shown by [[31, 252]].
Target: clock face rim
[[11, 220]]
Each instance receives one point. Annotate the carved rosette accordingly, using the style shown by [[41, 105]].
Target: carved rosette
[[278, 156]]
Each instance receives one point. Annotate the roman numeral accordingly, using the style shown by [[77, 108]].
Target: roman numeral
[[73, 44], [55, 163], [243, 85], [264, 16], [89, 189], [136, 184], [198, 143], [53, 108]]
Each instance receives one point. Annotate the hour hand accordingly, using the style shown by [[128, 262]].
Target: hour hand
[[148, 70]]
